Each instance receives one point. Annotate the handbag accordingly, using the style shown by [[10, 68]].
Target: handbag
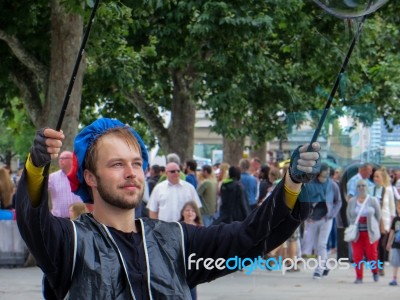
[[351, 231]]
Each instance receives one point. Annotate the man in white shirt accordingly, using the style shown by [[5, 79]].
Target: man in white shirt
[[169, 196], [364, 172]]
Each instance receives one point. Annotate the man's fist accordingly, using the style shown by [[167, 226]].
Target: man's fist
[[46, 145], [304, 165]]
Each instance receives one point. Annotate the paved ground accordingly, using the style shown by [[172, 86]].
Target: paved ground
[[25, 283]]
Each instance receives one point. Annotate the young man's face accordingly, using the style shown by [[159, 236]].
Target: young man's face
[[119, 178]]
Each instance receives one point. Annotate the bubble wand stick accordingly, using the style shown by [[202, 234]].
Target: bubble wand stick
[[370, 7]]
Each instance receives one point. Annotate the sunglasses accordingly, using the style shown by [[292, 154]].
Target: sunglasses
[[173, 171], [361, 185]]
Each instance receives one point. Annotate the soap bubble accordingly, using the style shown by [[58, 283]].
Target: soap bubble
[[350, 8]]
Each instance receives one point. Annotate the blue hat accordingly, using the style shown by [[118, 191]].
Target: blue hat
[[82, 143]]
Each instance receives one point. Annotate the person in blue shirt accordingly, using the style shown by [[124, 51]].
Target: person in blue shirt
[[190, 171], [249, 182]]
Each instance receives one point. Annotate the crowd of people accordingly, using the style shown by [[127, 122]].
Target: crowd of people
[[211, 195], [225, 194]]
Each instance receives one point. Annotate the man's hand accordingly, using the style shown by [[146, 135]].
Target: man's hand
[[304, 166], [46, 146]]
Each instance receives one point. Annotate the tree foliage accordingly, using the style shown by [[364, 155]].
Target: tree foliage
[[243, 61]]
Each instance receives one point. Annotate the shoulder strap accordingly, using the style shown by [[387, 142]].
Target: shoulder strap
[[361, 209]]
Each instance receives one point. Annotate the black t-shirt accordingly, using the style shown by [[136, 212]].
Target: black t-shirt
[[396, 228], [131, 245]]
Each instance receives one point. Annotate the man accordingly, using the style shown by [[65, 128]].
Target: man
[[207, 191], [59, 188], [155, 171], [364, 172], [109, 255], [190, 172], [255, 166], [325, 197], [249, 182], [173, 157], [169, 196]]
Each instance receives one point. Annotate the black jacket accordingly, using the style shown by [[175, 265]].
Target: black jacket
[[234, 203]]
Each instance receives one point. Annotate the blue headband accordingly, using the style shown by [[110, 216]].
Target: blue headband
[[81, 145]]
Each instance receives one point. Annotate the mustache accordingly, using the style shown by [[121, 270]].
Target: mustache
[[130, 183]]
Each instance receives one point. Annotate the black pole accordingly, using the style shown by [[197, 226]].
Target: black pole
[[73, 76], [337, 82], [76, 67]]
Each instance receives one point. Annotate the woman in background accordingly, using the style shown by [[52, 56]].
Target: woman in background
[[368, 227], [383, 191], [190, 214]]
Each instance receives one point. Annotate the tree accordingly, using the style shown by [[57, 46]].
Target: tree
[[40, 44], [175, 57], [17, 133], [244, 61]]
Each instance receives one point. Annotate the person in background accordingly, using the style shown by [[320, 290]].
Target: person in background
[[76, 209], [335, 175], [172, 158], [255, 167], [249, 182], [324, 196], [368, 229], [384, 193], [155, 174], [215, 167], [234, 203], [364, 172], [60, 189], [6, 189], [169, 196], [393, 244], [162, 171], [221, 175], [190, 214], [396, 179], [190, 172], [207, 191], [264, 183], [274, 176]]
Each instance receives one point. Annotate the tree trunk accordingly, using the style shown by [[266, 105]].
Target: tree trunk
[[233, 151], [66, 36], [183, 117], [260, 152]]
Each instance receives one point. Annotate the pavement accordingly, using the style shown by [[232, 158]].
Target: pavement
[[25, 283]]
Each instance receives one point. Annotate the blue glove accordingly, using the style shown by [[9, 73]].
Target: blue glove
[[39, 155], [305, 165]]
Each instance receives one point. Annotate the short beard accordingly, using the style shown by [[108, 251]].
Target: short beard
[[116, 201]]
